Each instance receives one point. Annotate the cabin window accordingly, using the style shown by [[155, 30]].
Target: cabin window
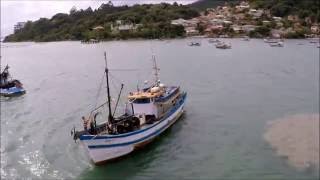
[[142, 101]]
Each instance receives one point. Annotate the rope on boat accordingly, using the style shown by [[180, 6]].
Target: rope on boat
[[97, 96]]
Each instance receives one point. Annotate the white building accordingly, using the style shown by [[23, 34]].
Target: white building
[[179, 21], [256, 13], [248, 28], [236, 28], [191, 31], [121, 27], [243, 6], [19, 26], [277, 18]]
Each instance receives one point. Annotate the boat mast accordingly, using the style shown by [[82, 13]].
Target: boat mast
[[110, 117], [156, 70]]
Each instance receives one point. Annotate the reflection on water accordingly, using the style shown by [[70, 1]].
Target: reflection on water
[[231, 97]]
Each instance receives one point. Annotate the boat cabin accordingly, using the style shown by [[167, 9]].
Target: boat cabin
[[152, 103]]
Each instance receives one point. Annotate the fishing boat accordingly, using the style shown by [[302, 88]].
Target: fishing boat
[[213, 40], [277, 44], [223, 45], [10, 87], [148, 113]]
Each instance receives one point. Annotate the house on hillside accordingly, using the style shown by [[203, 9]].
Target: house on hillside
[[277, 19], [179, 21], [256, 13], [266, 22], [248, 28], [236, 28], [213, 29], [191, 31], [315, 28], [120, 26], [216, 21], [242, 6], [19, 26], [98, 28], [293, 18]]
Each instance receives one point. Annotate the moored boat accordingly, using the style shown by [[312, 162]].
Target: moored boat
[[269, 40], [148, 113], [194, 44], [245, 38], [276, 44], [213, 40], [223, 45]]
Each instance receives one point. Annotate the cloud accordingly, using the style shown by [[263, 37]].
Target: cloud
[[21, 11]]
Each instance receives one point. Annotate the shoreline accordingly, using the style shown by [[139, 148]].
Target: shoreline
[[164, 39]]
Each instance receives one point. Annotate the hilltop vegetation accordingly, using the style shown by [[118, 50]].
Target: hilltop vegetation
[[204, 4], [154, 22], [281, 8]]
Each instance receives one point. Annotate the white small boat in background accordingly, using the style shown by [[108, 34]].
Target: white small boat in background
[[213, 40], [277, 44], [223, 45], [245, 38], [269, 40], [194, 44]]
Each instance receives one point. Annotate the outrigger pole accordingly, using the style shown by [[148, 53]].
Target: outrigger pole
[[110, 117], [115, 108]]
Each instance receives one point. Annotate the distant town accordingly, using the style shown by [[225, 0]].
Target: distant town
[[228, 21]]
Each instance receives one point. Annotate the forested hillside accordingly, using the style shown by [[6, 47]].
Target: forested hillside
[[153, 20]]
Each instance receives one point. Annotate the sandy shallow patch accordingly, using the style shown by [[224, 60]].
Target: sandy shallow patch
[[297, 138]]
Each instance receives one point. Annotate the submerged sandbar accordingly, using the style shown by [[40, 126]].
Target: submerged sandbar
[[297, 138]]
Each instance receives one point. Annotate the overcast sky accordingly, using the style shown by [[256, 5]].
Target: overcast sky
[[13, 11]]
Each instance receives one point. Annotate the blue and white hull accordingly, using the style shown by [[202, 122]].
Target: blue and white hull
[[102, 148], [13, 91]]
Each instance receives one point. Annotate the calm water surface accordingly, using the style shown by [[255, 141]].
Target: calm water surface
[[232, 95]]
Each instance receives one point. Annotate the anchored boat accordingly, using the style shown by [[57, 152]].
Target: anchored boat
[[148, 113], [223, 45], [245, 38], [10, 87], [213, 40], [277, 44], [194, 44]]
